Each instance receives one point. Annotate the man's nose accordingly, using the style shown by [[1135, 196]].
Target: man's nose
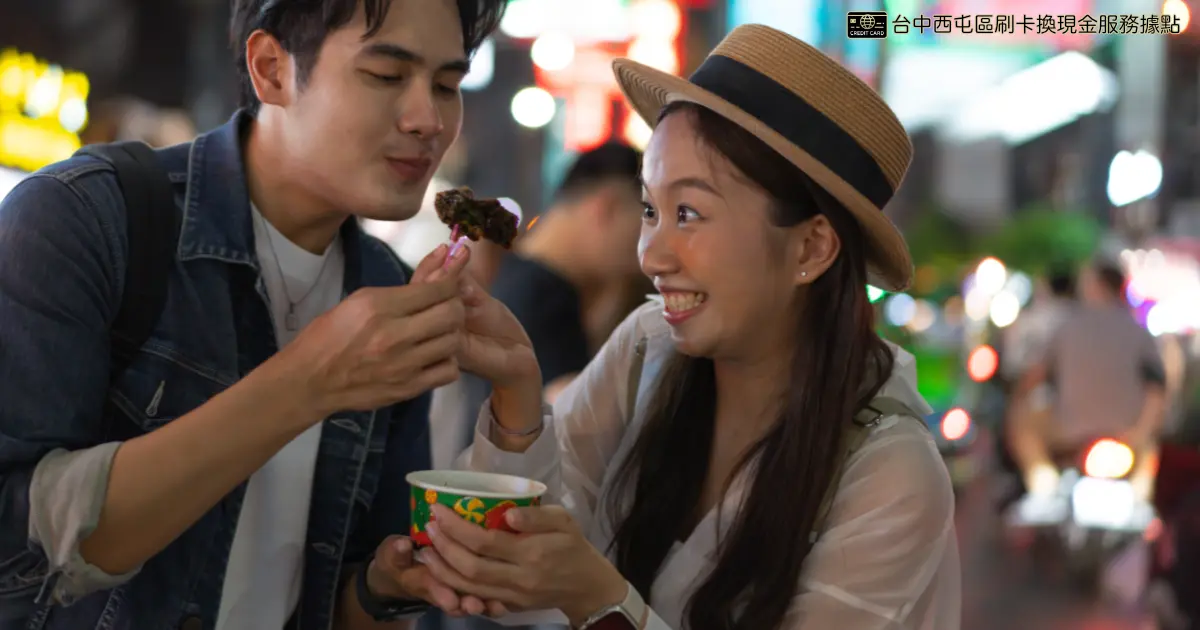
[[419, 113]]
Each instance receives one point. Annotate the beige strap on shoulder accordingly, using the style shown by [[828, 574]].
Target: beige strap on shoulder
[[635, 378], [854, 436]]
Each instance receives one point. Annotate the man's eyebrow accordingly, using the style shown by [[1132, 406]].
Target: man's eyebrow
[[403, 54]]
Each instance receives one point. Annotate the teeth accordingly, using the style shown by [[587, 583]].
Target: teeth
[[680, 302]]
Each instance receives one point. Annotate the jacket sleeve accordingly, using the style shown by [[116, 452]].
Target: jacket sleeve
[[59, 290]]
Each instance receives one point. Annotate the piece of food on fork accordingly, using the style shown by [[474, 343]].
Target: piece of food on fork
[[476, 218]]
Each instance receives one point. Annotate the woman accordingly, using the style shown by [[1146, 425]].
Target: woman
[[764, 385]]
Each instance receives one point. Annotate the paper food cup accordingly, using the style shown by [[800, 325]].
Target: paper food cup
[[481, 498]]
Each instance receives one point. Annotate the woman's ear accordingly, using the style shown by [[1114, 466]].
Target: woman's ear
[[817, 246]]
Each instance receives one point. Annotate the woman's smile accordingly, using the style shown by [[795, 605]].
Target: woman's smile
[[681, 305]]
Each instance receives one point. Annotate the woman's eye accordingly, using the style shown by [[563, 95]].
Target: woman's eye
[[648, 212], [448, 90], [684, 214]]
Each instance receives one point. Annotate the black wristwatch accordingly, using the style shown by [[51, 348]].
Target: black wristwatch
[[384, 609]]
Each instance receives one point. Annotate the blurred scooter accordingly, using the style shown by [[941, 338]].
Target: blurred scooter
[[1093, 512]]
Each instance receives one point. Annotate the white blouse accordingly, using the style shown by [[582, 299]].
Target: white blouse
[[887, 559]]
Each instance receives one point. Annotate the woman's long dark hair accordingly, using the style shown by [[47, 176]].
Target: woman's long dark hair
[[838, 366]]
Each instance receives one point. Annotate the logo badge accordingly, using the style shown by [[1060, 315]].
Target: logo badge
[[866, 24]]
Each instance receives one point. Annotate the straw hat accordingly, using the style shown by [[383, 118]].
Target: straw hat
[[812, 111]]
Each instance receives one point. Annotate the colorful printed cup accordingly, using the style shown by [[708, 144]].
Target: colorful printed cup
[[481, 498]]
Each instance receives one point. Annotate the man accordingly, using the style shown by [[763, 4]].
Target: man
[[1108, 381], [246, 468], [1033, 330]]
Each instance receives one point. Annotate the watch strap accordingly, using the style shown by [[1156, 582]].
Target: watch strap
[[384, 609], [630, 614]]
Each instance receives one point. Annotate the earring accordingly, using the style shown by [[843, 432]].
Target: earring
[[803, 274]]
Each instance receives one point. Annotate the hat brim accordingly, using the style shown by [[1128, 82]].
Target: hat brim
[[648, 90]]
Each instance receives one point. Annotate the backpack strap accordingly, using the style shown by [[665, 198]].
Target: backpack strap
[[854, 436], [152, 224], [635, 378]]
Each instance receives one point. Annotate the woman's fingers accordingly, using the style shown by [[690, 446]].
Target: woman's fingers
[[448, 575]]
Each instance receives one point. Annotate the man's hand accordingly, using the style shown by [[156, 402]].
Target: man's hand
[[382, 345], [394, 574]]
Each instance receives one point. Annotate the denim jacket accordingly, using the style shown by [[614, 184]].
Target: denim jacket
[[62, 262]]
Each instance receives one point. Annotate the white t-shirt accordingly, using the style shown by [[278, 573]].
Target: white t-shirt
[[266, 561]]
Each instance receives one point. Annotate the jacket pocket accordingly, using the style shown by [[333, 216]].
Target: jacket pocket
[[159, 386], [21, 575]]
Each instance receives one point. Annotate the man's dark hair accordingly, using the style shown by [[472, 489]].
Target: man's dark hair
[[610, 161], [1061, 279], [301, 27], [1111, 276]]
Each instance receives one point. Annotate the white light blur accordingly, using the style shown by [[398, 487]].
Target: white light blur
[[1037, 100], [583, 22], [976, 304], [656, 19], [924, 316], [8, 180], [657, 54], [1133, 176], [512, 206], [552, 51], [900, 309], [533, 107], [483, 67], [43, 97], [1020, 285], [637, 133], [73, 114], [1004, 309], [874, 293], [990, 276], [1180, 10], [524, 19]]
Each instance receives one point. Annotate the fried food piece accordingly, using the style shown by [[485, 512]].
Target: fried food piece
[[476, 218]]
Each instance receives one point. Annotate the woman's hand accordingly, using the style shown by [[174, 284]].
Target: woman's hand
[[495, 345], [547, 564]]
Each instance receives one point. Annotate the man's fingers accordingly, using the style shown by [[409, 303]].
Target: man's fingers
[[433, 351], [434, 376], [430, 263], [496, 609], [395, 552], [414, 298], [473, 605], [436, 320]]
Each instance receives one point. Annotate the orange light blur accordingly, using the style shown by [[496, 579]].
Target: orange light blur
[[1108, 459], [956, 424], [530, 226], [982, 363], [658, 27]]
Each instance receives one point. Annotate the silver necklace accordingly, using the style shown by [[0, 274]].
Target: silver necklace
[[290, 321]]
